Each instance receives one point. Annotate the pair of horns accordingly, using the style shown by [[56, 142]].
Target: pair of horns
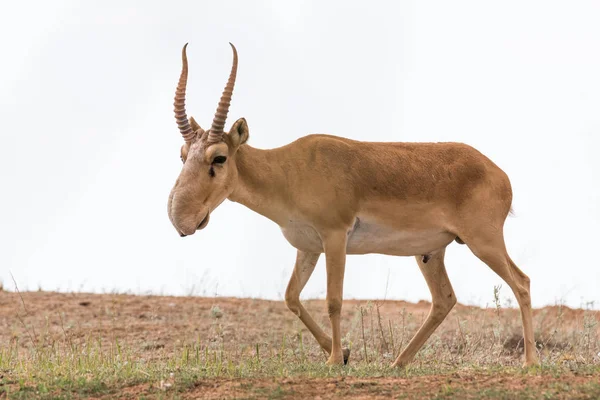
[[216, 130]]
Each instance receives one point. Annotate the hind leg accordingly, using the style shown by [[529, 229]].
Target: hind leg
[[442, 301], [489, 247]]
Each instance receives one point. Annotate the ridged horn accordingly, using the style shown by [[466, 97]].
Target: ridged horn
[[180, 116], [216, 130]]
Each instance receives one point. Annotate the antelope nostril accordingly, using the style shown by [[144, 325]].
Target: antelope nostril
[[182, 235]]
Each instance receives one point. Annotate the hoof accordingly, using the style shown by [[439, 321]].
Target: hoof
[[332, 361], [346, 354], [337, 360]]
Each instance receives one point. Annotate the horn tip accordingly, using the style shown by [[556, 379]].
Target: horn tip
[[184, 54]]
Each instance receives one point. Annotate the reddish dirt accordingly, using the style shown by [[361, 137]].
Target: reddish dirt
[[161, 322], [459, 385], [157, 326]]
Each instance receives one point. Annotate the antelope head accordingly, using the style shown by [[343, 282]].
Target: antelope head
[[209, 172]]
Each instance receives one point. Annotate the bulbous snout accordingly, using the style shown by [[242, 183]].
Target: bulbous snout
[[200, 226], [186, 217]]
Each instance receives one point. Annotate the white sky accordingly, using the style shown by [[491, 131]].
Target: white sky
[[89, 148]]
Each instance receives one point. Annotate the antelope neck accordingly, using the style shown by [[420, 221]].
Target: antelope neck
[[261, 184]]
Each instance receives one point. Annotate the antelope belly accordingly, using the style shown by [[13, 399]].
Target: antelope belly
[[371, 237]]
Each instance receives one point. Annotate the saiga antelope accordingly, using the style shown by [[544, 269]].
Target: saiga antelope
[[339, 196]]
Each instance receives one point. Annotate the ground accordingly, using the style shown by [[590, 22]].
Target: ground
[[69, 345]]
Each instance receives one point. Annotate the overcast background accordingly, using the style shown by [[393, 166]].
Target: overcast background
[[89, 147]]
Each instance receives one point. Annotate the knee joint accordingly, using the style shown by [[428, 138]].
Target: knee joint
[[526, 282], [439, 310], [522, 288], [523, 295], [334, 306], [293, 303]]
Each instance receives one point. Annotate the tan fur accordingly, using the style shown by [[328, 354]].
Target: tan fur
[[338, 196]]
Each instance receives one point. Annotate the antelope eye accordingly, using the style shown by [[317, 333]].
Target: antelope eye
[[181, 158], [219, 160]]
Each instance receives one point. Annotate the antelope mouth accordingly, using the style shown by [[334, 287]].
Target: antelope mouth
[[204, 222]]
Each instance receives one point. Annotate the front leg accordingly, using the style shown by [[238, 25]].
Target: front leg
[[305, 265], [335, 256]]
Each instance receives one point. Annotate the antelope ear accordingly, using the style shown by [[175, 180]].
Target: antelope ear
[[239, 133], [195, 126]]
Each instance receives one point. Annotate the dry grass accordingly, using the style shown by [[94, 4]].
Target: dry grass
[[79, 345]]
